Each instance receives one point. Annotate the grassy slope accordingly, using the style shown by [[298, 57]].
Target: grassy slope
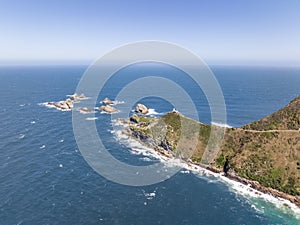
[[287, 118], [267, 151]]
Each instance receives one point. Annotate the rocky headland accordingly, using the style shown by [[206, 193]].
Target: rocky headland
[[264, 154]]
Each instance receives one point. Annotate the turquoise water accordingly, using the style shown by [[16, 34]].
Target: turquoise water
[[45, 180]]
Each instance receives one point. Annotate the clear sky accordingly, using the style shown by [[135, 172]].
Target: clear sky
[[219, 31]]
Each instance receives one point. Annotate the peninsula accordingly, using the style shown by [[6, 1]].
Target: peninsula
[[264, 154]]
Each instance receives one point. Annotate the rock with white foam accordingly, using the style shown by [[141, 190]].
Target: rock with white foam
[[85, 110], [107, 101], [108, 109], [140, 108]]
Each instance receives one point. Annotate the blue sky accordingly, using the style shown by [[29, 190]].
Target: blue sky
[[219, 31]]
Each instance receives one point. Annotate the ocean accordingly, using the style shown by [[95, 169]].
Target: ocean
[[44, 179]]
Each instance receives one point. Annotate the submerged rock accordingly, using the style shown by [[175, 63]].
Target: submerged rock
[[82, 96], [140, 108], [85, 110]]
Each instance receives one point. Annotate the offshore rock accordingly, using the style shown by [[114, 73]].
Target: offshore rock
[[140, 108], [108, 109], [107, 101]]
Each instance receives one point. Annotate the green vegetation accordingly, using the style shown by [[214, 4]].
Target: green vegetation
[[287, 118]]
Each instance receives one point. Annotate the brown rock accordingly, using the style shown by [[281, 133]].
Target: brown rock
[[108, 109], [74, 98], [107, 101], [140, 108], [69, 103]]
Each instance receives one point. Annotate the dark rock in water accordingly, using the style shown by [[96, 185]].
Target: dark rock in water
[[140, 108]]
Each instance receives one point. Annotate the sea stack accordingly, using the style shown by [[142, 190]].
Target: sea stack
[[140, 108]]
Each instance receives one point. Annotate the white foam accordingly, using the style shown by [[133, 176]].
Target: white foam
[[22, 105], [62, 140], [43, 146], [221, 125], [91, 118], [116, 102], [136, 147], [21, 136], [248, 192], [78, 98], [153, 112], [32, 122], [146, 159], [61, 165], [119, 123], [149, 195], [103, 112], [84, 112]]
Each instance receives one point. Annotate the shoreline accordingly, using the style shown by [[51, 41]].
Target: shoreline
[[241, 185]]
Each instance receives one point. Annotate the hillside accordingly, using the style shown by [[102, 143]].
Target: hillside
[[287, 118], [266, 151]]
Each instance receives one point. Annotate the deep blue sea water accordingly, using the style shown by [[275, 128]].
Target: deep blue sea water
[[45, 180]]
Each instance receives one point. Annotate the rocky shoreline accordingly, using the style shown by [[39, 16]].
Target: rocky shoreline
[[164, 150]]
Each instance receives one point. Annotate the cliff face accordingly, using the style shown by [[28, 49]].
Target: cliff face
[[266, 151]]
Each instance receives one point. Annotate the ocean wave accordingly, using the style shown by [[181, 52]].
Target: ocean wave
[[91, 118], [103, 112], [221, 124], [152, 112], [116, 102], [85, 98], [85, 112], [136, 148], [149, 195]]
